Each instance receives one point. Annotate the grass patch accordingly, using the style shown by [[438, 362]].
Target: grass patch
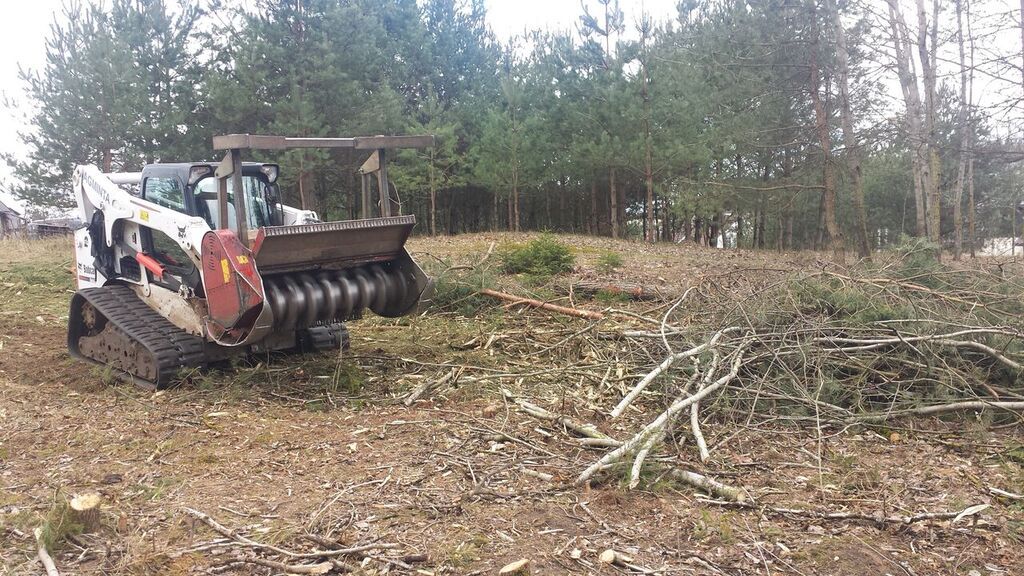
[[59, 524], [608, 262], [611, 297], [347, 379]]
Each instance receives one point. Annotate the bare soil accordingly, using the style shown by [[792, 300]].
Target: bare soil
[[287, 446]]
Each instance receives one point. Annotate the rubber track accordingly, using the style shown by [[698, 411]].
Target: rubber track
[[173, 348]]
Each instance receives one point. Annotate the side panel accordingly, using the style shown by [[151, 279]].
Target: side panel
[[234, 291], [86, 274]]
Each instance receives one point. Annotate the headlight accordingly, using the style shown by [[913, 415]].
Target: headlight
[[270, 171]]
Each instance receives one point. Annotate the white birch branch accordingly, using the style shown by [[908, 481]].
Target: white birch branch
[[665, 365], [661, 421]]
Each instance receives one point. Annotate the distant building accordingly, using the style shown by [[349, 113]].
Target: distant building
[[52, 227], [11, 221]]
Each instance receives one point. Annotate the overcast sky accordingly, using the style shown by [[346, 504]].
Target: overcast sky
[[25, 26]]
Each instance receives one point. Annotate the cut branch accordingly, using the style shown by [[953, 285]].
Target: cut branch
[[543, 305]]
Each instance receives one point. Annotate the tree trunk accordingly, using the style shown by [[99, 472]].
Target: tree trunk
[[789, 229], [762, 215], [835, 237], [962, 128], [494, 212], [648, 161], [562, 221], [971, 238], [853, 152], [108, 159], [623, 228], [928, 71], [306, 189], [915, 129], [613, 212], [515, 200], [433, 197], [594, 221]]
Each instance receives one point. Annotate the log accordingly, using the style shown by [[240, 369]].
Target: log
[[44, 556], [614, 558], [630, 290], [709, 485], [589, 314], [85, 511]]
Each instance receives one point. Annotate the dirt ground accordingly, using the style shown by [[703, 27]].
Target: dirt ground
[[319, 446]]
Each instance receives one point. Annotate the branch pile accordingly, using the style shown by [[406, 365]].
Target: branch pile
[[830, 349]]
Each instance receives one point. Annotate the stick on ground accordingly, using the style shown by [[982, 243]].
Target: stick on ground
[[44, 556], [579, 313]]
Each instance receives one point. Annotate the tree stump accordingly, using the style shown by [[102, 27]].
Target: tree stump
[[517, 568], [85, 511]]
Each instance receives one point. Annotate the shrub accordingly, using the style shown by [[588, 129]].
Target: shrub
[[608, 261], [544, 256], [918, 258]]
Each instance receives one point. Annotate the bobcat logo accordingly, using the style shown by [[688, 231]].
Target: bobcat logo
[[181, 232]]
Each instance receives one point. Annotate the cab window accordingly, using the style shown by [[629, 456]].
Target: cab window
[[164, 192], [257, 190]]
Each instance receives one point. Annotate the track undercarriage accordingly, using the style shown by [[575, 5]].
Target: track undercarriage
[[112, 327]]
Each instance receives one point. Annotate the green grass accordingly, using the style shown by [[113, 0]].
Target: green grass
[[58, 525], [35, 279], [608, 262]]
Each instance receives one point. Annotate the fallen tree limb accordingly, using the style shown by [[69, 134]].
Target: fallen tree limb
[[629, 290], [241, 539], [44, 556], [234, 535], [580, 429], [665, 365], [852, 516], [938, 409], [709, 485], [661, 422], [597, 438], [320, 568], [490, 250], [332, 549], [1005, 494], [419, 391], [579, 313], [866, 344]]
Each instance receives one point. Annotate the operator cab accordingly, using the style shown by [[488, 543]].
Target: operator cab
[[192, 189]]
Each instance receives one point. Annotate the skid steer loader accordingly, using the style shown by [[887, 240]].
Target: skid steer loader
[[202, 261]]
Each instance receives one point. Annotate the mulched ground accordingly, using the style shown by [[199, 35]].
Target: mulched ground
[[311, 445]]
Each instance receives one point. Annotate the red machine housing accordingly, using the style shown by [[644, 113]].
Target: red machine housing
[[234, 289]]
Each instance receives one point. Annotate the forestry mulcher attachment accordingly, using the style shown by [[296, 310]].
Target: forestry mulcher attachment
[[203, 262]]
